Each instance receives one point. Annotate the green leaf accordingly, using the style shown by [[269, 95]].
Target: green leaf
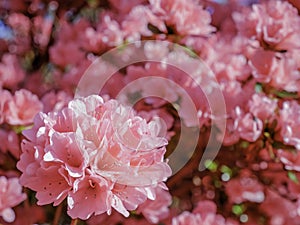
[[217, 183], [19, 129], [190, 52], [285, 94], [211, 165], [244, 144], [293, 177], [267, 134], [238, 209], [258, 88], [226, 169]]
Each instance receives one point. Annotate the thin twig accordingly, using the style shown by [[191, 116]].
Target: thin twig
[[74, 221], [57, 214]]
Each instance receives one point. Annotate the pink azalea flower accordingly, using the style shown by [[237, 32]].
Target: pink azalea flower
[[124, 6], [242, 125], [227, 57], [68, 81], [263, 64], [111, 32], [91, 195], [71, 32], [205, 207], [42, 30], [274, 23], [290, 121], [29, 162], [6, 97], [279, 209], [291, 160], [93, 153], [21, 25], [55, 101], [236, 94], [231, 135], [22, 108], [262, 106], [51, 184], [166, 120], [11, 72], [20, 21], [249, 127], [91, 40], [279, 70], [10, 142], [66, 50], [204, 213], [231, 91], [156, 210], [287, 75], [64, 54], [10, 196], [180, 86], [244, 188], [188, 17], [35, 82], [136, 23], [187, 218]]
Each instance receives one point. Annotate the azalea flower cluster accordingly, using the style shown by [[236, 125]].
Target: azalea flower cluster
[[98, 155], [96, 159]]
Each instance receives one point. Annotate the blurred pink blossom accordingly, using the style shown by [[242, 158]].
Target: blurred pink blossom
[[187, 17], [10, 195], [280, 210], [242, 125], [274, 23], [21, 25], [111, 33], [22, 108], [204, 213], [156, 210], [64, 54], [290, 159], [136, 23], [67, 49], [280, 70], [263, 64], [290, 121], [249, 127], [11, 72], [55, 101], [91, 40], [244, 188], [262, 106], [10, 143], [42, 29], [6, 97], [124, 6]]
